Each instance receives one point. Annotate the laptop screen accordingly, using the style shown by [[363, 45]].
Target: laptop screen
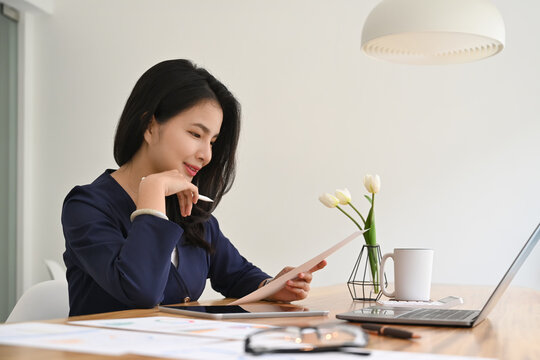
[[510, 273]]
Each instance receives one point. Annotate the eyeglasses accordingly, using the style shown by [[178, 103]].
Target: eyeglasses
[[343, 338]]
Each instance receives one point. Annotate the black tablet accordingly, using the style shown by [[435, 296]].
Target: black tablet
[[241, 311]]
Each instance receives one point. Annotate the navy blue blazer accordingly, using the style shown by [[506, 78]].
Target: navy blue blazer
[[114, 264]]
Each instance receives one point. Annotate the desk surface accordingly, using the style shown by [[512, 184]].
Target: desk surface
[[512, 330]]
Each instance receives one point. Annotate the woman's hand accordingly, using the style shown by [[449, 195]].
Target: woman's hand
[[155, 187], [297, 288]]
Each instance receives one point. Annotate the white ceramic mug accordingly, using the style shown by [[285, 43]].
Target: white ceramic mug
[[412, 274]]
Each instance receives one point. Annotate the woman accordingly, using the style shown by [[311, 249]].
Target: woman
[[139, 236]]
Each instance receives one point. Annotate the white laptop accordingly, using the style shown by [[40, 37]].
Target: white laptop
[[444, 317]]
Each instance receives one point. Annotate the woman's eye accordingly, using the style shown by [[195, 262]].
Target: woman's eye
[[194, 134]]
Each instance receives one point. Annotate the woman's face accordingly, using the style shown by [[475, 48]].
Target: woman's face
[[184, 142]]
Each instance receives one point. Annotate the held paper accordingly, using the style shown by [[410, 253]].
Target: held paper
[[279, 282]]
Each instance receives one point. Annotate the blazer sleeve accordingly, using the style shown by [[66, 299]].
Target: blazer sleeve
[[129, 261], [230, 273]]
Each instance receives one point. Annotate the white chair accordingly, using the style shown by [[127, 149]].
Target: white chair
[[43, 301], [57, 271]]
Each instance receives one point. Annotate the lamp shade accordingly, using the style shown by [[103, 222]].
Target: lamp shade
[[428, 32]]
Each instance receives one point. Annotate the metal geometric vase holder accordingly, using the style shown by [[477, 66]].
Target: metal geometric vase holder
[[361, 284]]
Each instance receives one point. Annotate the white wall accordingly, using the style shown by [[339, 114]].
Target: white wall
[[456, 146]]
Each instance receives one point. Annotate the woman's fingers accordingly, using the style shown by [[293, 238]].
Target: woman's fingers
[[187, 193], [176, 182], [285, 270], [307, 277], [319, 266], [155, 187], [297, 291], [299, 285], [182, 203], [185, 199]]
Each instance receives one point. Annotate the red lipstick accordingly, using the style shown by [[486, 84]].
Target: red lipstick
[[192, 170]]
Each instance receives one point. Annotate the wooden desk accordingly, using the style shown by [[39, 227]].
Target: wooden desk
[[512, 330]]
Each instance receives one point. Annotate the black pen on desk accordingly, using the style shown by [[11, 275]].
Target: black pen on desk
[[389, 331]]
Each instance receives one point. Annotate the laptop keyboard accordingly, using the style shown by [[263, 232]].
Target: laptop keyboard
[[438, 314]]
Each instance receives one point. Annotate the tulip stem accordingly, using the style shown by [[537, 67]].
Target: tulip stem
[[349, 216], [358, 212]]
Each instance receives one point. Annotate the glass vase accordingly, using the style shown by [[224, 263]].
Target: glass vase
[[363, 283]]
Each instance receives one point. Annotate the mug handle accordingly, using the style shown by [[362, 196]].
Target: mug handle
[[381, 275]]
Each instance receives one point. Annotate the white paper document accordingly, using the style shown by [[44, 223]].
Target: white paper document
[[235, 351], [279, 282], [181, 326], [118, 342], [94, 340]]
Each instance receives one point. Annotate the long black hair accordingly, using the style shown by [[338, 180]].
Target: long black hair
[[164, 91]]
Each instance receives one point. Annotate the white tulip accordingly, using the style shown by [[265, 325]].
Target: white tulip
[[372, 183], [344, 196], [329, 200]]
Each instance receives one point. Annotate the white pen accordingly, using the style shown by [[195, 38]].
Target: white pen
[[205, 198]]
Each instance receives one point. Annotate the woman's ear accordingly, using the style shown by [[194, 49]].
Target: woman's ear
[[151, 131]]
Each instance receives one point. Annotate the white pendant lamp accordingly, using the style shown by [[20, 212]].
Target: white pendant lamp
[[432, 32]]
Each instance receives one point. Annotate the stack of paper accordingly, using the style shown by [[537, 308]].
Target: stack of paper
[[167, 337]]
